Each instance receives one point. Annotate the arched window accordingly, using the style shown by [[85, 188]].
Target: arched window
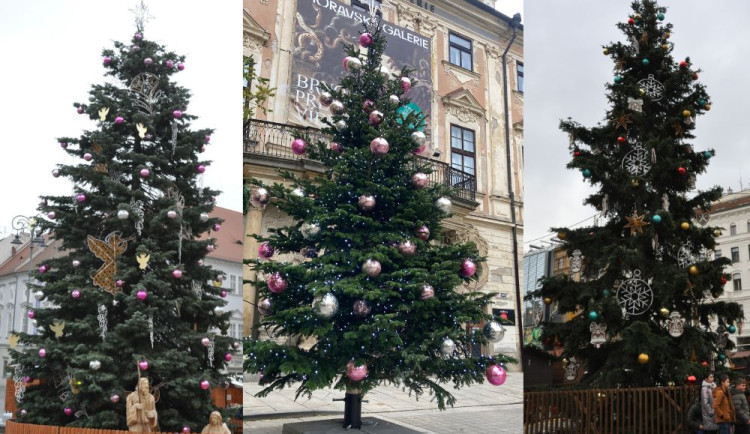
[[737, 281]]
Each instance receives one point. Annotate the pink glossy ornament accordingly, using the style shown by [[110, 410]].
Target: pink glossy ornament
[[81, 198], [299, 146], [419, 180], [68, 411], [76, 294], [119, 120], [210, 247], [141, 295], [169, 64], [177, 273], [405, 84], [31, 314], [265, 305], [114, 399], [423, 233], [27, 379], [42, 353], [371, 267], [366, 202], [325, 99], [265, 251], [23, 412], [172, 214], [119, 283], [205, 341], [337, 107], [379, 146], [56, 173], [206, 139], [276, 283], [64, 145], [236, 345], [76, 263], [376, 118], [365, 40], [228, 357], [427, 292], [148, 61], [143, 365], [200, 262], [88, 157], [205, 384], [496, 375], [177, 114], [180, 66], [368, 106], [51, 215], [223, 294], [201, 168], [468, 268], [420, 149], [356, 373], [138, 36], [217, 227], [80, 110], [107, 60], [336, 147], [145, 173], [407, 248], [42, 269], [185, 429]]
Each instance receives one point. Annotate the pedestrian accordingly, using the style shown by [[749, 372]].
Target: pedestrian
[[695, 417], [724, 413], [742, 423], [707, 404]]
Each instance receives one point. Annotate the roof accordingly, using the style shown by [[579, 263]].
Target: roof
[[492, 11], [729, 203], [228, 240]]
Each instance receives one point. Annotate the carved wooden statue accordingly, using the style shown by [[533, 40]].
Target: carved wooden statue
[[215, 425], [141, 409]]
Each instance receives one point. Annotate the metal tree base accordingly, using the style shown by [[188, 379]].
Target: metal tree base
[[353, 410]]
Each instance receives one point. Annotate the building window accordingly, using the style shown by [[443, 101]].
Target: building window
[[737, 281], [748, 225], [560, 263], [9, 329], [460, 51], [748, 250], [519, 76], [717, 254], [232, 283], [733, 229], [462, 149], [735, 254]]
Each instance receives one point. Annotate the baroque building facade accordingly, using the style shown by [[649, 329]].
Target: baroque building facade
[[468, 59]]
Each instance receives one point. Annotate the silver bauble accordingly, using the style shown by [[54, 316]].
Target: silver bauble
[[218, 311], [448, 346], [95, 365], [38, 295], [340, 125], [407, 248], [393, 99], [444, 204], [418, 137], [260, 196], [35, 323], [371, 267], [366, 202], [123, 214], [427, 292], [204, 217], [299, 192], [325, 306], [325, 99], [493, 331], [264, 307], [353, 64], [309, 230], [337, 107]]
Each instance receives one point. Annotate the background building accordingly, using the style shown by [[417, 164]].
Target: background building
[[468, 59]]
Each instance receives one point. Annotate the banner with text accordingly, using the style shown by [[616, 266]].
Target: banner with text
[[322, 27]]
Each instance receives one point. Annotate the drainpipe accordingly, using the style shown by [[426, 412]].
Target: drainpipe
[[514, 23]]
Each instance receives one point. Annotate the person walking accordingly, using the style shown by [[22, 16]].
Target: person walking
[[724, 412], [742, 409], [707, 404]]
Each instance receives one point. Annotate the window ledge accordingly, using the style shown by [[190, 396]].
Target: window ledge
[[470, 75]]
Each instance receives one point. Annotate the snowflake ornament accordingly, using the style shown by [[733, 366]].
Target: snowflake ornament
[[635, 294], [652, 88], [638, 161]]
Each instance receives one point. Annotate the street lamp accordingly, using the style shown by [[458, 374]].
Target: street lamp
[[20, 224]]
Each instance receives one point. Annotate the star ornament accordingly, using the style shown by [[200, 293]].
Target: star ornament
[[636, 223], [623, 121]]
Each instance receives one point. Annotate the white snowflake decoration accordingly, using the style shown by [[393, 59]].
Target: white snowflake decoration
[[635, 104], [102, 317], [635, 294], [576, 261], [685, 256], [675, 324], [652, 88], [19, 384], [638, 161], [598, 334], [211, 350]]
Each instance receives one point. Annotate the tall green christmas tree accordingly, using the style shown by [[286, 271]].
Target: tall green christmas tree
[[131, 296], [645, 308], [381, 299]]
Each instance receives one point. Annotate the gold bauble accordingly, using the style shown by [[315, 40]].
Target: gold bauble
[[643, 358], [667, 35], [684, 226], [605, 51], [717, 232], [693, 270], [634, 183], [686, 113], [565, 362], [642, 91], [561, 235], [665, 47], [664, 311], [547, 300], [707, 107]]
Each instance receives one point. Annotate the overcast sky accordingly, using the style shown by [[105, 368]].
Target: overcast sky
[[51, 55], [565, 76]]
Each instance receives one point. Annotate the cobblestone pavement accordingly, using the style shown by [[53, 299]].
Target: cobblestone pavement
[[479, 409]]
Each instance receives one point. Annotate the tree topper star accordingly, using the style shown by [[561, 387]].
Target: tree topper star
[[623, 122], [141, 16], [636, 223]]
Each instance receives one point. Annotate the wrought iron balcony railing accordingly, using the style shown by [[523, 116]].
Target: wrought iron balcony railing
[[275, 140]]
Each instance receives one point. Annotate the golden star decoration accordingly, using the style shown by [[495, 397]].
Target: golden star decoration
[[636, 223], [623, 122]]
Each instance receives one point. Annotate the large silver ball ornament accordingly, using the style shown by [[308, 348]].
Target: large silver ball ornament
[[299, 192], [123, 214], [325, 306], [204, 217], [340, 125], [353, 64], [95, 365], [264, 307], [337, 107], [366, 202], [444, 205], [393, 99], [325, 99], [427, 292], [371, 267], [260, 196], [448, 346], [309, 230], [407, 248], [493, 331], [218, 311], [38, 295], [418, 137]]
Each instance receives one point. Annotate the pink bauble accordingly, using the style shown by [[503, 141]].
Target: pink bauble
[[468, 268], [276, 283], [51, 215], [119, 283], [177, 114], [299, 146], [427, 292], [172, 214], [223, 294], [206, 139], [81, 198], [56, 173], [64, 145], [143, 365], [42, 353], [177, 273], [31, 314], [23, 412], [366, 202], [228, 357], [356, 373], [148, 61], [88, 157], [368, 106], [107, 60], [220, 278], [205, 341], [201, 168], [203, 148], [145, 173], [76, 263], [27, 379], [169, 64], [186, 429], [76, 294], [210, 247], [379, 146], [141, 295], [68, 411], [496, 375], [345, 61], [336, 147], [365, 39], [405, 84], [138, 36], [205, 384], [119, 120], [372, 267], [200, 262], [42, 269], [236, 345], [419, 180], [407, 248], [180, 66], [376, 117], [114, 398], [80, 110], [217, 227], [423, 233], [43, 202]]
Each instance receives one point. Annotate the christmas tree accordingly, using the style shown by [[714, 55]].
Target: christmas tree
[[378, 300], [129, 297], [645, 309]]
